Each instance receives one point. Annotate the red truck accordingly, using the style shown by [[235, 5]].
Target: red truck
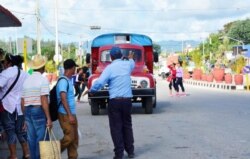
[[142, 80]]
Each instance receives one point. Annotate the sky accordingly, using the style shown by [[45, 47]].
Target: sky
[[159, 19]]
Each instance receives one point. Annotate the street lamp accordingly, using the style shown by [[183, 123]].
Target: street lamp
[[95, 27]]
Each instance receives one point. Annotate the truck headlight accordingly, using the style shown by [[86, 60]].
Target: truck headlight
[[144, 84]]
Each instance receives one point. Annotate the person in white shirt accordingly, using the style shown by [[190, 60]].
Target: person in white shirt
[[179, 78], [11, 114], [35, 105]]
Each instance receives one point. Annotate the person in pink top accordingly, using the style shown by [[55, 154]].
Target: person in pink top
[[172, 78]]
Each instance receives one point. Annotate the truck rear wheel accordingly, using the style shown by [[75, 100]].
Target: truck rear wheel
[[148, 103], [154, 100], [94, 107]]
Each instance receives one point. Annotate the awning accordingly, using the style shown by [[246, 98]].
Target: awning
[[7, 19]]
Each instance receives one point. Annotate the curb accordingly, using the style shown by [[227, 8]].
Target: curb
[[222, 85]]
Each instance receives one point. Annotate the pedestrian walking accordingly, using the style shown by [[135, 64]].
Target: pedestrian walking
[[172, 79], [35, 105], [78, 84], [117, 76], [86, 74], [12, 118], [67, 110], [179, 78]]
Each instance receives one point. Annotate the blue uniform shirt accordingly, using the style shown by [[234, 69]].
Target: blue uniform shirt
[[117, 76], [62, 86]]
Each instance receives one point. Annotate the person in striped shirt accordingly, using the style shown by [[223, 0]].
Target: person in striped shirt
[[35, 104]]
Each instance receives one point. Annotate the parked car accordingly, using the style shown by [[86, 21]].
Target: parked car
[[163, 71]]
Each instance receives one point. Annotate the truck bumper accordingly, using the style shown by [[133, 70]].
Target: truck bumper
[[103, 94]]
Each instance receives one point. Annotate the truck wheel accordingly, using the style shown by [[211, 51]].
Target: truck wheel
[[148, 102], [154, 101], [103, 105], [94, 107]]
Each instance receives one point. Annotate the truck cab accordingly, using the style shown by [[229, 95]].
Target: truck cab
[[143, 83]]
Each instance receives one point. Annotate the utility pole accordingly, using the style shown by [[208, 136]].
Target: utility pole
[[17, 51], [38, 28], [56, 28], [182, 47], [57, 57], [68, 51], [10, 46]]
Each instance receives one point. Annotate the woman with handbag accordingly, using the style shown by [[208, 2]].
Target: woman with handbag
[[11, 82]]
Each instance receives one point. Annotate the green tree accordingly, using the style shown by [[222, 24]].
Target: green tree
[[69, 51], [240, 30], [157, 48], [196, 57]]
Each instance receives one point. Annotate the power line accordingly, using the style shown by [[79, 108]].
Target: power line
[[152, 32], [152, 10], [44, 24]]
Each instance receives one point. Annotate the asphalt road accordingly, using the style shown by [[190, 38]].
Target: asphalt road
[[207, 124]]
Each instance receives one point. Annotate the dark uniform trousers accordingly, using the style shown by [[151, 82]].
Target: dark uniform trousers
[[120, 122]]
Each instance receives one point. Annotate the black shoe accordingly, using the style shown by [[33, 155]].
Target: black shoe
[[131, 155], [115, 157]]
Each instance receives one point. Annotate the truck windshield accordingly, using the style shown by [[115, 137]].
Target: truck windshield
[[105, 55]]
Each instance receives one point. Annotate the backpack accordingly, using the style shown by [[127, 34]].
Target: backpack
[[53, 105]]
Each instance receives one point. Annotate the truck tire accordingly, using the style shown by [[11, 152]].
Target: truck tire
[[148, 103], [94, 107], [154, 100]]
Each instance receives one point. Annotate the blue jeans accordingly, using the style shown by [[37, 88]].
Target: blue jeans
[[36, 124], [13, 126]]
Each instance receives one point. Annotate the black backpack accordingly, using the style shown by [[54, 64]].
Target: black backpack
[[53, 105]]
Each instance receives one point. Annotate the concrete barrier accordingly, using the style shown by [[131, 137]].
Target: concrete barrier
[[215, 85]]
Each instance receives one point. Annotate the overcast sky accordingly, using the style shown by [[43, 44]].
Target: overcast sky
[[159, 19]]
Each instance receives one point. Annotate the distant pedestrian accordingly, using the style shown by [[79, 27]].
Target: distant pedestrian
[[172, 78], [67, 110], [117, 76], [35, 104], [179, 78], [78, 84], [86, 74], [11, 114]]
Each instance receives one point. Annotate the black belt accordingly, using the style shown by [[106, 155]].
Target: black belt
[[34, 106]]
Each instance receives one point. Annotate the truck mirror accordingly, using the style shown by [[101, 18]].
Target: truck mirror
[[88, 58], [156, 57]]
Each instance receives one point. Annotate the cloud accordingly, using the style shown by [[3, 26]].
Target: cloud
[[160, 19]]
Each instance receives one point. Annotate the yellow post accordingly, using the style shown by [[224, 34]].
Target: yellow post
[[247, 81], [25, 53]]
